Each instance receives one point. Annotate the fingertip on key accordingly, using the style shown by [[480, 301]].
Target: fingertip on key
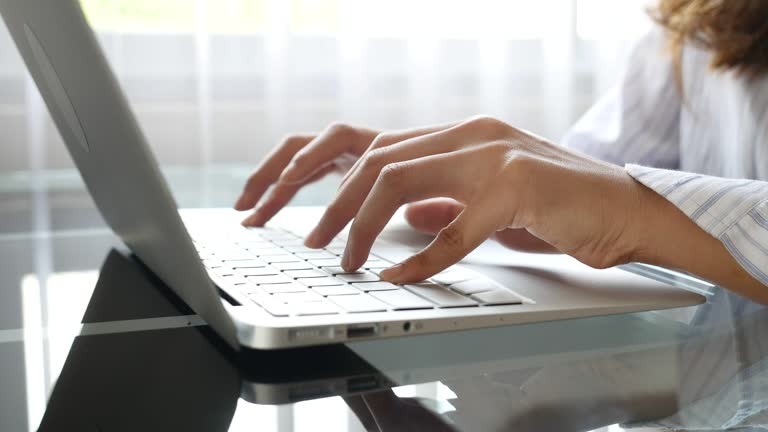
[[392, 274], [311, 241]]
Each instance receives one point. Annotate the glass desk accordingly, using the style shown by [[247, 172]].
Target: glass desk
[[91, 341]]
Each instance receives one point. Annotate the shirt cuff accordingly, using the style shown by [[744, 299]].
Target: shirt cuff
[[735, 211]]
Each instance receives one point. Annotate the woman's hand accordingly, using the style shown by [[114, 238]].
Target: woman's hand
[[303, 159], [505, 179], [296, 162]]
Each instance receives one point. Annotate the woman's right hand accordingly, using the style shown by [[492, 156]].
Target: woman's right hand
[[302, 159], [299, 160]]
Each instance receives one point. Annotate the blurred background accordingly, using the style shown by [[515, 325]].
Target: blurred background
[[220, 81], [216, 83]]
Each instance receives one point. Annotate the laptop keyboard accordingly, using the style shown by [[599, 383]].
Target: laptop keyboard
[[277, 272]]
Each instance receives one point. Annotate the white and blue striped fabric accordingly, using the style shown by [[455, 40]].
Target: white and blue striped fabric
[[715, 134], [705, 149]]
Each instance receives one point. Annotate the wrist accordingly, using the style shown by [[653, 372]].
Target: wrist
[[650, 225]]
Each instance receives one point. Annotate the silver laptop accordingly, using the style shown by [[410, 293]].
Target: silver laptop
[[261, 288]]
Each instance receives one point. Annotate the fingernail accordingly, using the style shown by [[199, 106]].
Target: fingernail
[[311, 240], [345, 260], [238, 203], [393, 273], [252, 219]]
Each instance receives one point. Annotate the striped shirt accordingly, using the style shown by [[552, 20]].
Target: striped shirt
[[708, 148], [704, 149]]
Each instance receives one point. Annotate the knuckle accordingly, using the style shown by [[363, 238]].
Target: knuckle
[[384, 139], [341, 130], [520, 162], [302, 159], [374, 159], [393, 175], [490, 125], [451, 238]]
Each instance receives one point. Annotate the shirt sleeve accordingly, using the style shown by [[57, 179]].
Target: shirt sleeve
[[638, 119], [733, 211]]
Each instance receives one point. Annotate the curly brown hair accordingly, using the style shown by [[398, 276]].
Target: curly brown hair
[[735, 31]]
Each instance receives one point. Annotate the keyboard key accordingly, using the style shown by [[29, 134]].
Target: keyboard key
[[213, 263], [223, 271], [273, 234], [358, 277], [455, 275], [205, 255], [233, 256], [275, 308], [252, 290], [300, 265], [282, 288], [251, 263], [337, 242], [298, 248], [254, 244], [376, 264], [439, 295], [315, 254], [246, 235], [376, 286], [359, 303], [336, 290], [270, 279], [336, 270], [323, 281], [376, 271], [402, 299], [297, 297], [258, 271], [280, 258], [498, 297], [474, 286], [328, 262], [336, 250], [315, 308], [301, 274], [271, 251], [232, 280], [288, 242]]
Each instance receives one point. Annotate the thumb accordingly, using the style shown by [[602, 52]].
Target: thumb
[[430, 216], [470, 228]]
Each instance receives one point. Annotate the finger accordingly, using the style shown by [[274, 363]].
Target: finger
[[269, 170], [471, 228], [398, 184], [280, 196], [333, 142], [352, 194], [432, 215], [389, 138]]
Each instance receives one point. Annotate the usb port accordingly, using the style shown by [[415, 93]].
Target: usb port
[[362, 331]]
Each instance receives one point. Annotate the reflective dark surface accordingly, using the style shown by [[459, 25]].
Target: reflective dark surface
[[89, 340]]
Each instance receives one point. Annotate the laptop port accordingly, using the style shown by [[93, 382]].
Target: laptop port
[[362, 331], [362, 384]]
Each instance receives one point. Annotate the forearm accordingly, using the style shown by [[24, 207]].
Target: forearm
[[667, 237]]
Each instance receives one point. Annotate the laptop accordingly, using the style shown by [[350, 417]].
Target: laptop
[[260, 287]]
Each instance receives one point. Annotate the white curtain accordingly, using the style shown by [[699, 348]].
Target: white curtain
[[220, 81]]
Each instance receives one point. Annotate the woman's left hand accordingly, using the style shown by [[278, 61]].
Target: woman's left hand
[[505, 178]]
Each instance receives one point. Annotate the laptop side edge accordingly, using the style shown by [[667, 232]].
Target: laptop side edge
[[101, 133]]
